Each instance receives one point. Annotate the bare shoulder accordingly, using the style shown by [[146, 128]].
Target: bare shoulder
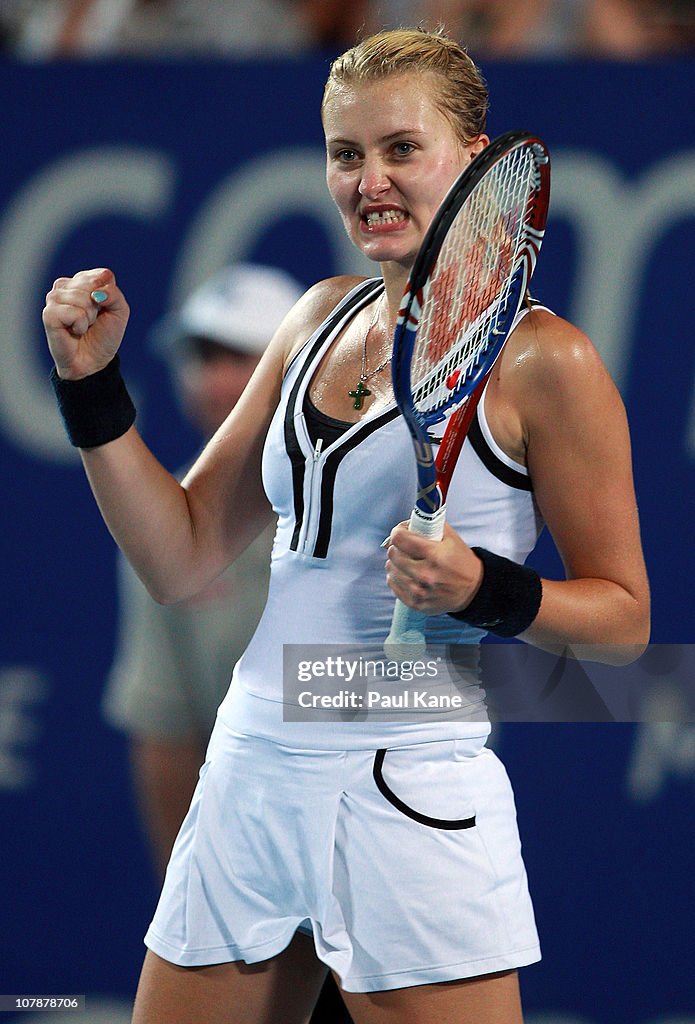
[[553, 362], [312, 309], [549, 381]]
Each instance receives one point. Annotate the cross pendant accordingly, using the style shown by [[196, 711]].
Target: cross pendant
[[359, 394]]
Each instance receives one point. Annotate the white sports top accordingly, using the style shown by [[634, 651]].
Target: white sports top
[[335, 506]]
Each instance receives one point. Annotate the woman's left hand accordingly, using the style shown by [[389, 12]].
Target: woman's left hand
[[432, 576]]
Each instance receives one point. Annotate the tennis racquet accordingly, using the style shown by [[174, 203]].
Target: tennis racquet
[[464, 291]]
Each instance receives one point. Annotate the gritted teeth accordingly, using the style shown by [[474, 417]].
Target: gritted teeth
[[384, 216]]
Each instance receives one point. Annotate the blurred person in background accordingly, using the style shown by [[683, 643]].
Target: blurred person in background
[[621, 29], [633, 29], [49, 29], [493, 27], [173, 664]]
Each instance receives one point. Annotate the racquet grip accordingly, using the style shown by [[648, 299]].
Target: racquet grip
[[406, 639]]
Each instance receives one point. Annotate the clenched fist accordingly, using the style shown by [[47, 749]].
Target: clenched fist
[[85, 317]]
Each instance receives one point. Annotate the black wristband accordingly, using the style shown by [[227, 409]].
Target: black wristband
[[95, 409], [508, 599]]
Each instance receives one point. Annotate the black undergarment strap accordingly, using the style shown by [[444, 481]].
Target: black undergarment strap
[[320, 426]]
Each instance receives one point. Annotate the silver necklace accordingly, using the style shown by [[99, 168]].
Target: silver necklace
[[361, 392]]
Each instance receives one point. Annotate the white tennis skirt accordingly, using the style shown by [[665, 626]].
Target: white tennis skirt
[[404, 863]]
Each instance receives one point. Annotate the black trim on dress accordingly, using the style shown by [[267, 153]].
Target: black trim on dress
[[507, 474], [292, 445]]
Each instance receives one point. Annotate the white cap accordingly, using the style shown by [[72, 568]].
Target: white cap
[[240, 307]]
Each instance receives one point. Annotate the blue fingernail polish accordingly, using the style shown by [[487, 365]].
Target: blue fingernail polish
[[99, 296]]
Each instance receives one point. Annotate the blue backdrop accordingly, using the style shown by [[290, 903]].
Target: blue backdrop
[[165, 172]]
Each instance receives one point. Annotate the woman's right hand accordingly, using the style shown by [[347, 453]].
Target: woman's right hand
[[84, 330]]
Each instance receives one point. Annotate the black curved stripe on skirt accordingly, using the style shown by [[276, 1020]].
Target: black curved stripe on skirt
[[509, 476], [424, 819]]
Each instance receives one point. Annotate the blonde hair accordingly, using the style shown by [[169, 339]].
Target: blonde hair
[[461, 92]]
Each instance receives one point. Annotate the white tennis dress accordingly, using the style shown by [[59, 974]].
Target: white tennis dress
[[393, 842]]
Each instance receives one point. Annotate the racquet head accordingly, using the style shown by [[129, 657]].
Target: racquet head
[[466, 286]]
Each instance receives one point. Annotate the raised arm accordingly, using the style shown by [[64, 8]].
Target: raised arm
[[177, 537]]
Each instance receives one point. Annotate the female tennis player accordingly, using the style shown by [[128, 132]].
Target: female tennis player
[[385, 851]]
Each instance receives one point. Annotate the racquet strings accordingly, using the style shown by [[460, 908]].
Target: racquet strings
[[465, 299]]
